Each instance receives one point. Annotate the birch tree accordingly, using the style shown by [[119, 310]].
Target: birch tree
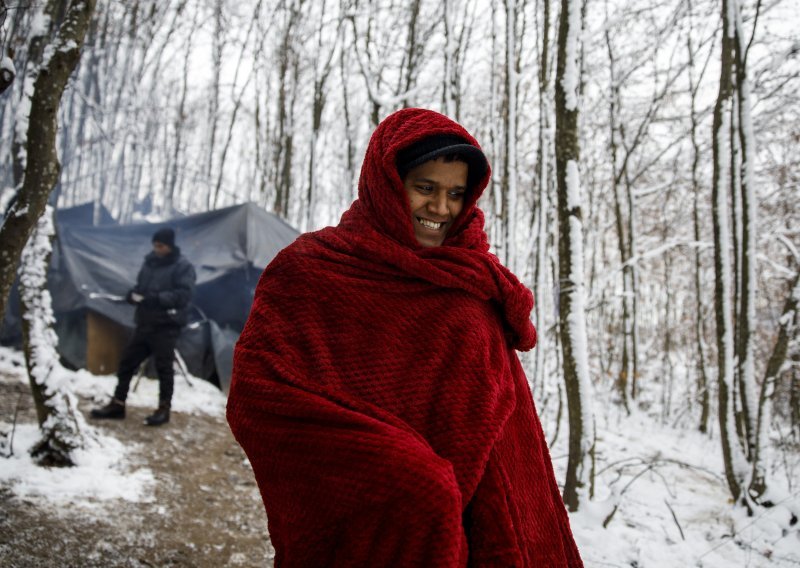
[[579, 479]]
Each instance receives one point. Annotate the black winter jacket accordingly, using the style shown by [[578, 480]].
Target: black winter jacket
[[167, 284]]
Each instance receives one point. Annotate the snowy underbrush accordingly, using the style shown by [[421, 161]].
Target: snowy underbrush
[[661, 493], [105, 466], [104, 471]]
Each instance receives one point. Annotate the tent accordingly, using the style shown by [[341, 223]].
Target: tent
[[92, 265]]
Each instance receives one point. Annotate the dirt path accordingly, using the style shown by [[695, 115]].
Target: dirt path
[[206, 509]]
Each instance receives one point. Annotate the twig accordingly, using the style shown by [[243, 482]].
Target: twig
[[624, 489], [13, 428], [675, 518], [748, 525]]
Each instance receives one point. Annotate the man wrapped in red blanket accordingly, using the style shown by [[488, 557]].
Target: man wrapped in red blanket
[[376, 388]]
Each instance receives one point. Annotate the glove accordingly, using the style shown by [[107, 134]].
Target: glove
[[133, 297]]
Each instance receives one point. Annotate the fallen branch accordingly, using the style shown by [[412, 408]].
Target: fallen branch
[[675, 518]]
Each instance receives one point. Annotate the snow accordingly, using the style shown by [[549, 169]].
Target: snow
[[105, 469], [34, 293], [103, 472], [6, 64], [40, 24], [570, 81], [573, 185], [651, 471], [577, 331]]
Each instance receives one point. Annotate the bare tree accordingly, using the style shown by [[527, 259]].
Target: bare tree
[[323, 65], [627, 365], [29, 222], [179, 123], [580, 475], [787, 329], [413, 51], [703, 383], [288, 61], [722, 262], [41, 166], [747, 275], [508, 183], [214, 103], [542, 214]]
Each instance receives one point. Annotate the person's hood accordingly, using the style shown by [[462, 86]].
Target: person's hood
[[381, 193]]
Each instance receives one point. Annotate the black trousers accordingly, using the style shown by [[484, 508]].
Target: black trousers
[[158, 342]]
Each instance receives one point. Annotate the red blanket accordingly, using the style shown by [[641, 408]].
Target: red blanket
[[378, 396]]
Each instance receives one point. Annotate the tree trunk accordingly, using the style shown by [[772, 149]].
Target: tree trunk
[[570, 257], [284, 149], [61, 424], [510, 155], [631, 273], [350, 168], [624, 374], [787, 329], [542, 213], [180, 123], [411, 49], [41, 165], [745, 346], [722, 262], [213, 112], [323, 64], [703, 385]]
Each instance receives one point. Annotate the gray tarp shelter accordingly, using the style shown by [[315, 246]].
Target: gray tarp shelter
[[229, 249]]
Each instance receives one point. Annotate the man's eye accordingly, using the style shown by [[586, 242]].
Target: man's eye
[[425, 188], [457, 194]]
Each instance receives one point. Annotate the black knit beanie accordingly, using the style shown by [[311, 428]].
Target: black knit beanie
[[433, 147], [165, 236]]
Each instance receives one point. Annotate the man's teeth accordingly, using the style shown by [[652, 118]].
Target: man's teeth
[[429, 224]]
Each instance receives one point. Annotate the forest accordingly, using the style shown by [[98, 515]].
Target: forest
[[644, 187]]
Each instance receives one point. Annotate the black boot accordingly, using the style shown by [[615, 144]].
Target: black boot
[[160, 416], [114, 410]]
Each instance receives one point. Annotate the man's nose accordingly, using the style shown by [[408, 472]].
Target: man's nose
[[438, 203]]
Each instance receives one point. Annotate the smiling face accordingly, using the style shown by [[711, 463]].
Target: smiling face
[[436, 191]]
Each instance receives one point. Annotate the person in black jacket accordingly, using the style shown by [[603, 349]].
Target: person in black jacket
[[162, 294]]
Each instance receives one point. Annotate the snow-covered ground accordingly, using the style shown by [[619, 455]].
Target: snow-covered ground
[[673, 504], [104, 469]]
